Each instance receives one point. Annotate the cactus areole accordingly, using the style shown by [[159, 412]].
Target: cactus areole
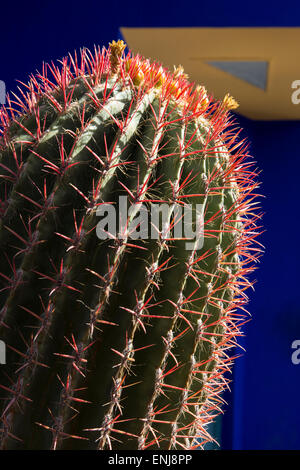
[[123, 341]]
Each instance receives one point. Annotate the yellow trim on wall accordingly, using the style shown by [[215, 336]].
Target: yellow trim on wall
[[193, 47]]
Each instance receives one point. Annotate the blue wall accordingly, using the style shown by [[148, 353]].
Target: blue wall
[[33, 31], [264, 408]]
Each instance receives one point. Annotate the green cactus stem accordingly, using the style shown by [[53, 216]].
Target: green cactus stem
[[120, 342]]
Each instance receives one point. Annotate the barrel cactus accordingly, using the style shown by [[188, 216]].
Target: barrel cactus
[[120, 341]]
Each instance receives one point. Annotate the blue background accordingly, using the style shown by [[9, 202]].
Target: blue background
[[263, 410]]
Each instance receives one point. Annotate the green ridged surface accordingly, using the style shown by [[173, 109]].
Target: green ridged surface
[[94, 327]]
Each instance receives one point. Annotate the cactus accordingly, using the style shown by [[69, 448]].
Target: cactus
[[120, 342]]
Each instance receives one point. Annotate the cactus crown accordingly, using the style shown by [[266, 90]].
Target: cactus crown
[[119, 342]]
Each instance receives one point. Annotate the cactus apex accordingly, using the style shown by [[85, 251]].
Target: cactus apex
[[229, 103], [116, 50], [179, 72]]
